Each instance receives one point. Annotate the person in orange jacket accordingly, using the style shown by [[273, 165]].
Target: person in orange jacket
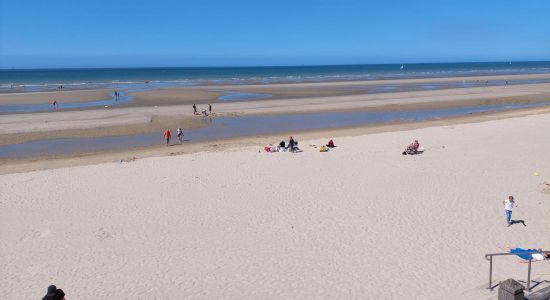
[[167, 136]]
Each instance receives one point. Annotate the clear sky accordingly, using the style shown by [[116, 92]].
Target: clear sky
[[114, 33]]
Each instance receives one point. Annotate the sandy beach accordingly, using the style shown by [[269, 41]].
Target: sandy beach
[[361, 221], [274, 150]]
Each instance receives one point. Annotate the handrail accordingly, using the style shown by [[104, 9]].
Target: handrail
[[489, 257]]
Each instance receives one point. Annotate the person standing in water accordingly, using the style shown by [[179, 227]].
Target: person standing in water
[[180, 134], [54, 104], [509, 204], [167, 136], [209, 109]]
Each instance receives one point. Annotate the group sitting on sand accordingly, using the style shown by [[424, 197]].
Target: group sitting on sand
[[292, 146]]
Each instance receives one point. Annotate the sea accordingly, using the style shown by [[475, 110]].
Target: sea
[[21, 80]]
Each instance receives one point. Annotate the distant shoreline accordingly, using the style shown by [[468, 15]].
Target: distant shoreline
[[278, 66], [33, 80]]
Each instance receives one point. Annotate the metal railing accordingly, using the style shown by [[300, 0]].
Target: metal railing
[[489, 257]]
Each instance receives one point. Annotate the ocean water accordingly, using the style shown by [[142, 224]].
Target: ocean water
[[141, 78]]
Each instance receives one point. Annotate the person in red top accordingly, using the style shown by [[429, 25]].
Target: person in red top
[[412, 148], [167, 136]]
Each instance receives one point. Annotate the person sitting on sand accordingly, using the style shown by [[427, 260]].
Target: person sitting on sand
[[536, 254], [282, 145], [54, 293], [331, 144], [412, 148], [291, 144]]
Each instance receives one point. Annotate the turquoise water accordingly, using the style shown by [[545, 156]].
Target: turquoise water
[[243, 96], [50, 79]]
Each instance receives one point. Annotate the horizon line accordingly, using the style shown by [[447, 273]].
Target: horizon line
[[274, 66]]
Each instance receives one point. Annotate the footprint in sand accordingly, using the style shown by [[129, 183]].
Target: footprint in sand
[[44, 233], [35, 234], [103, 234]]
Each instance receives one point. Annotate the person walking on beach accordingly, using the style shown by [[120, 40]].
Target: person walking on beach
[[194, 109], [509, 204], [209, 109], [180, 134], [167, 136]]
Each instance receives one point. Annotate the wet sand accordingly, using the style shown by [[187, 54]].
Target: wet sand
[[135, 119], [49, 97], [211, 93], [17, 128], [15, 165]]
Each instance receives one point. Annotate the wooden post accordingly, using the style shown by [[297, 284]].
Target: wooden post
[[510, 289]]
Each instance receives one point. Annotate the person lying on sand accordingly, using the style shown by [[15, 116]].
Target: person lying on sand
[[536, 254]]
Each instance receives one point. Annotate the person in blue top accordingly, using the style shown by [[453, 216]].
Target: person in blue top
[[536, 254]]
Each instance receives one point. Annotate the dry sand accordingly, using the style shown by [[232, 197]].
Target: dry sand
[[361, 221]]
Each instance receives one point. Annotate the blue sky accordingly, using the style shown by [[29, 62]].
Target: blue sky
[[133, 33]]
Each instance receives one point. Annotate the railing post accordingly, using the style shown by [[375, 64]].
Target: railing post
[[510, 289], [529, 274], [490, 272]]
